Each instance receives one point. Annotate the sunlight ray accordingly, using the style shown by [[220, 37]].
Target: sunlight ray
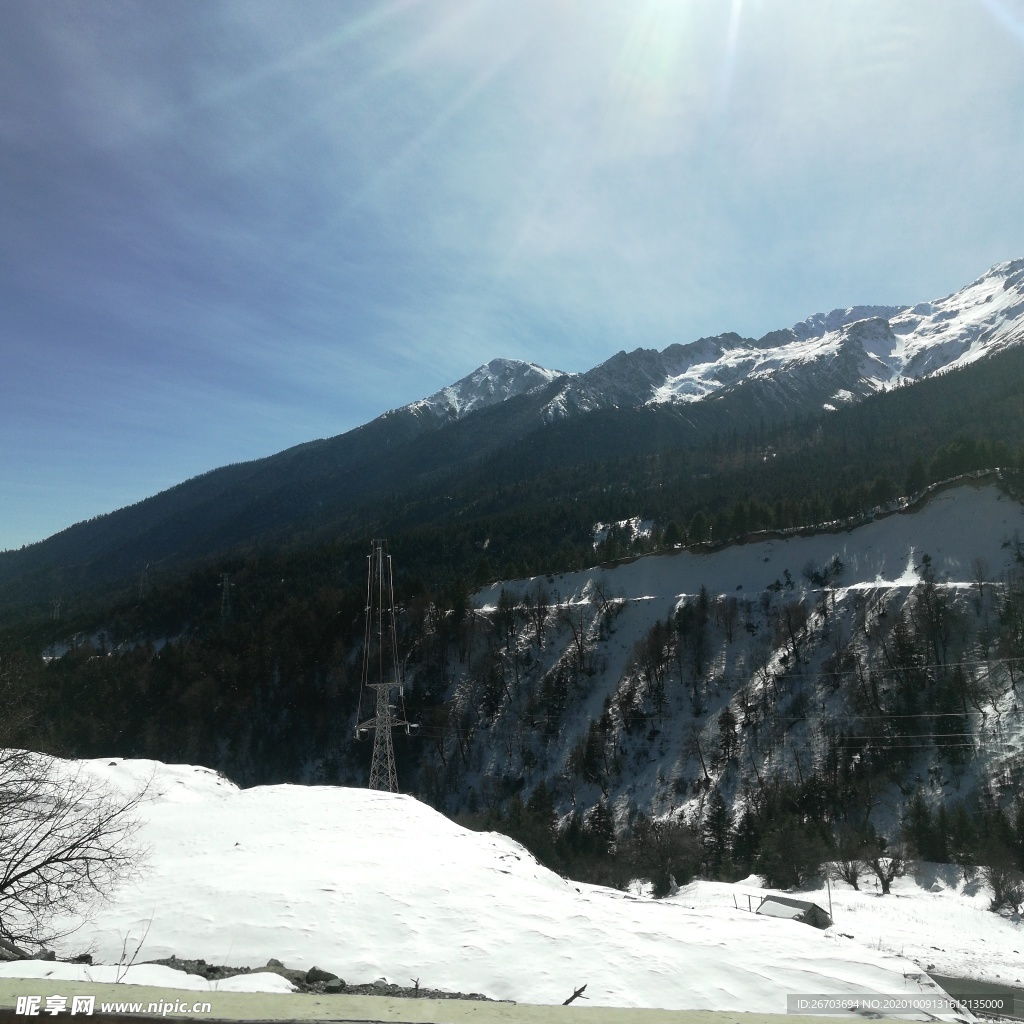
[[287, 64], [1009, 14], [731, 43]]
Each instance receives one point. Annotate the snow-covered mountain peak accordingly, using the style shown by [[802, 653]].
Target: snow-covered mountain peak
[[817, 325], [490, 384], [1009, 273]]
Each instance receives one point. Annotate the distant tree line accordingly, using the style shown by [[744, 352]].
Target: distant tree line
[[779, 836]]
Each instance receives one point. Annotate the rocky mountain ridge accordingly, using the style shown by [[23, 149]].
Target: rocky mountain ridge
[[859, 350]]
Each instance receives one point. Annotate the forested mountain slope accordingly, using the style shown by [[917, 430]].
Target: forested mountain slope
[[512, 432]]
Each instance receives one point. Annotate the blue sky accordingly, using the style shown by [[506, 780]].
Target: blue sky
[[228, 228]]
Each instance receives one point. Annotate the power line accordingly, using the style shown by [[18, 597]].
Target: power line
[[886, 718], [891, 669], [922, 735]]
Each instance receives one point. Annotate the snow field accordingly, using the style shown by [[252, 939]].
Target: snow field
[[371, 885], [932, 917]]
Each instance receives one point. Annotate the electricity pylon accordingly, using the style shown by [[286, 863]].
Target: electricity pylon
[[225, 596], [381, 669]]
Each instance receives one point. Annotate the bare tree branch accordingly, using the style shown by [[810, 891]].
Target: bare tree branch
[[578, 994], [65, 842]]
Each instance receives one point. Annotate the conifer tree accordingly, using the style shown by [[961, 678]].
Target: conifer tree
[[716, 833]]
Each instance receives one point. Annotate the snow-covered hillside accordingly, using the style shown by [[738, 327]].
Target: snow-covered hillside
[[824, 360], [610, 683], [369, 885], [954, 527]]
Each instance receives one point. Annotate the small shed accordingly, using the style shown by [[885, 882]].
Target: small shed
[[794, 910]]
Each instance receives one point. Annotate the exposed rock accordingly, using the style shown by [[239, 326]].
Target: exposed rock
[[297, 978], [314, 980], [314, 974], [9, 951], [212, 972]]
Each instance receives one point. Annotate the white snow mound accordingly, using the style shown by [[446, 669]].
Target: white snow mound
[[370, 885]]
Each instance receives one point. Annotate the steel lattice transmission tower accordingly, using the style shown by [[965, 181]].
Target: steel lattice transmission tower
[[381, 670]]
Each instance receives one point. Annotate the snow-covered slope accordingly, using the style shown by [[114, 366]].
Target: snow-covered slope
[[955, 527], [932, 916], [826, 359], [370, 884], [790, 624], [984, 317]]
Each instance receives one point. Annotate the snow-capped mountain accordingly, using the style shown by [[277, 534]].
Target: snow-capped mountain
[[824, 360], [432, 446], [490, 384]]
